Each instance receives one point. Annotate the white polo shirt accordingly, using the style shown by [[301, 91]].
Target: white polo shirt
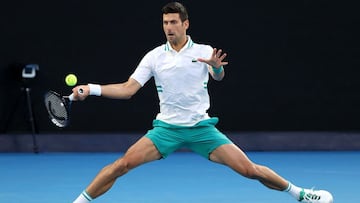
[[181, 81]]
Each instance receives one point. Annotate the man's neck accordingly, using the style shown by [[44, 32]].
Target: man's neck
[[178, 46]]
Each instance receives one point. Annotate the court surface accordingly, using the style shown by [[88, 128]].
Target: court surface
[[183, 177]]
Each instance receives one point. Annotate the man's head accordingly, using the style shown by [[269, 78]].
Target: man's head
[[175, 22], [176, 7]]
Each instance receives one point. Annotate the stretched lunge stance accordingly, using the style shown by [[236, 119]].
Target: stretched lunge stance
[[181, 69]]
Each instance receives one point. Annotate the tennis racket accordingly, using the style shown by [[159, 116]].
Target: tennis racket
[[58, 107]]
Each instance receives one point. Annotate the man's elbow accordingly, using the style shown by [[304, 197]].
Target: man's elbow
[[128, 95]]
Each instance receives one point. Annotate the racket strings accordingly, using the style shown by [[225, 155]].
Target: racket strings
[[57, 109]]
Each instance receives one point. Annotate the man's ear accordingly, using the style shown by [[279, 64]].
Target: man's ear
[[186, 24]]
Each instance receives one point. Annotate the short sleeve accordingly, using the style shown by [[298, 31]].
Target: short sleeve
[[143, 72]]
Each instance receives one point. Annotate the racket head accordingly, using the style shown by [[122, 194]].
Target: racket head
[[58, 108]]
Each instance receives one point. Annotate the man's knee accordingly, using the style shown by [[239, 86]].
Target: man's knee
[[121, 167], [251, 171]]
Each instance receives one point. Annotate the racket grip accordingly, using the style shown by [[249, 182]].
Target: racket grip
[[71, 96]]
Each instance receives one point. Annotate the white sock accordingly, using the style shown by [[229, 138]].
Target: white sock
[[84, 197], [294, 190]]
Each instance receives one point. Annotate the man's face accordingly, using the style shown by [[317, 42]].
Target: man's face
[[174, 29]]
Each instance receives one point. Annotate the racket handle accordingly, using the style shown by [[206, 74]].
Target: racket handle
[[71, 96]]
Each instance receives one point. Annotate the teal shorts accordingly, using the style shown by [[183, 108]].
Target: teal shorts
[[202, 138]]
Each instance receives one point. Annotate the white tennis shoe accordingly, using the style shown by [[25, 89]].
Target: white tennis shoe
[[315, 196]]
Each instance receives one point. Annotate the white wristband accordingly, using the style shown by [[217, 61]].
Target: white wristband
[[95, 89]]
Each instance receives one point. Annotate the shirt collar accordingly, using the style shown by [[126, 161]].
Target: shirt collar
[[188, 44]]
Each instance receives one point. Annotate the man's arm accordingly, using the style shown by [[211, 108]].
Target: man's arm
[[115, 91], [217, 73]]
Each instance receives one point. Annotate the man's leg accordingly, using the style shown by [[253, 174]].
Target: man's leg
[[235, 158], [141, 152]]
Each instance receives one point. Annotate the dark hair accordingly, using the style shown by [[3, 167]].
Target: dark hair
[[176, 7]]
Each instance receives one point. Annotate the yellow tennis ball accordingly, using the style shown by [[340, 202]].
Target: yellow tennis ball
[[71, 79]]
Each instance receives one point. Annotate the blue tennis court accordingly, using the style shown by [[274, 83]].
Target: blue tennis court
[[183, 177]]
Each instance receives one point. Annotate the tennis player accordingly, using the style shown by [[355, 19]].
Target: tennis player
[[181, 69]]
